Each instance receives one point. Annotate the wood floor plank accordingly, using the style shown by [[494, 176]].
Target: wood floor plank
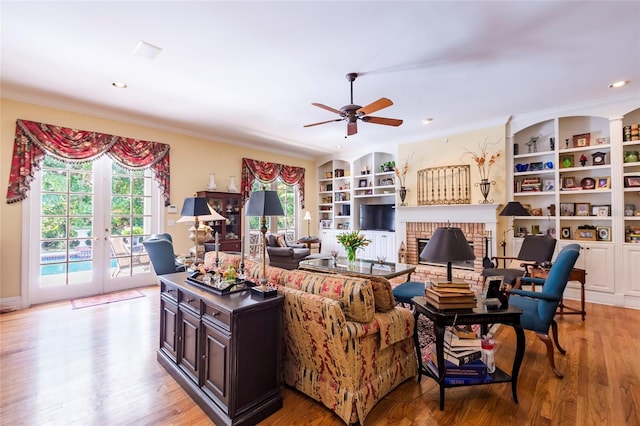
[[97, 366]]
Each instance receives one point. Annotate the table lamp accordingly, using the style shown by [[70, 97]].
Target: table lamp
[[307, 217], [264, 203], [513, 208], [194, 210], [447, 245]]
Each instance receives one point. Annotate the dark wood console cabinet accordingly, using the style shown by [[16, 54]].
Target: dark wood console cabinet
[[223, 350]]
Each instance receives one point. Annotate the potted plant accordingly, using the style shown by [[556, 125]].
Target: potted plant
[[388, 166]]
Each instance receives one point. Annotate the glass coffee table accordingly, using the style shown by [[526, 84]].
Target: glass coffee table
[[358, 268]]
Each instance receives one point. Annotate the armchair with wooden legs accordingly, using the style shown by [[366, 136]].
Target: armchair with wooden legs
[[539, 307]]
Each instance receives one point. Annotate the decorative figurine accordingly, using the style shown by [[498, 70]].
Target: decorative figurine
[[583, 160], [552, 144], [566, 143]]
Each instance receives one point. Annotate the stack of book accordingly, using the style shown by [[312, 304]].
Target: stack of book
[[473, 372], [460, 351], [450, 295], [531, 184]]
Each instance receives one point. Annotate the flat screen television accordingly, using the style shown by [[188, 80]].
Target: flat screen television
[[377, 217]]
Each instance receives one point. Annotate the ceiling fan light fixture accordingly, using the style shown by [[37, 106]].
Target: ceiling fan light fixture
[[119, 85], [618, 84]]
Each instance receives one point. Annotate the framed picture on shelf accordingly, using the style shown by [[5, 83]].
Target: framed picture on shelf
[[362, 183], [567, 209], [585, 234], [603, 210], [565, 233], [549, 185], [339, 226], [602, 141], [583, 209], [603, 182], [603, 233], [566, 161], [346, 224], [568, 182], [581, 140], [632, 181], [536, 166]]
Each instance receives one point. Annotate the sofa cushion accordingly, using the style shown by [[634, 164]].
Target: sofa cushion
[[281, 241], [225, 260], [356, 294], [382, 294]]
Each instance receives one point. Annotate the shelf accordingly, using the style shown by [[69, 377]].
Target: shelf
[[580, 218], [533, 154], [584, 148], [583, 168], [535, 193], [534, 172]]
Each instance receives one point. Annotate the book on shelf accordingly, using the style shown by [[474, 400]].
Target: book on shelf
[[450, 297], [464, 332], [449, 284], [475, 369], [455, 341], [460, 359], [448, 381], [452, 305]]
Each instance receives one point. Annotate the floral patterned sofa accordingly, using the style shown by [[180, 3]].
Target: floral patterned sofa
[[346, 343]]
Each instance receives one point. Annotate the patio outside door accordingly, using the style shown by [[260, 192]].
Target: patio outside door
[[86, 226]]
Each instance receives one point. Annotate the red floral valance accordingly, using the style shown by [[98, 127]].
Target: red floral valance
[[35, 140], [268, 172]]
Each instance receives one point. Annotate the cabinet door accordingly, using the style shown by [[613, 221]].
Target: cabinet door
[[189, 344], [169, 327], [631, 256], [216, 364], [597, 261]]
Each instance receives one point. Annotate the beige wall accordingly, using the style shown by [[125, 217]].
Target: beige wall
[[192, 160], [450, 150]]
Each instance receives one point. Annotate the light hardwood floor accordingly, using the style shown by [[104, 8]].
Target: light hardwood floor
[[97, 366]]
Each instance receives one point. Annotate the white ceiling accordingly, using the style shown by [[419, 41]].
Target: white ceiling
[[247, 72]]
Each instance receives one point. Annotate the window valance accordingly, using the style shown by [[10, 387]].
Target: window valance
[[35, 140], [268, 172]]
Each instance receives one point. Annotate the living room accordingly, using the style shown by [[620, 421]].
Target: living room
[[195, 155]]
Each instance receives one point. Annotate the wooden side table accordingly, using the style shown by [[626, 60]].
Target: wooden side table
[[311, 240], [577, 274]]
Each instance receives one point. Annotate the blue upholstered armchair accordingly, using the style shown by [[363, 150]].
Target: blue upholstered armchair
[[539, 307], [159, 247]]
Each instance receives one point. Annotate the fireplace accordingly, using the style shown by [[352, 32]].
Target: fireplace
[[462, 264], [420, 222]]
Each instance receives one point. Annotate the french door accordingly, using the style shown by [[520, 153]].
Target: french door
[[85, 227]]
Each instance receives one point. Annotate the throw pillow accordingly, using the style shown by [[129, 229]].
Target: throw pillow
[[281, 241]]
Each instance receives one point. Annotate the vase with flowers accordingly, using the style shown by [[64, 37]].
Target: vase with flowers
[[352, 241], [484, 161]]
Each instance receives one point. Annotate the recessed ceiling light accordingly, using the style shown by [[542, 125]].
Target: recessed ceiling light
[[427, 120], [339, 146], [618, 84], [119, 85]]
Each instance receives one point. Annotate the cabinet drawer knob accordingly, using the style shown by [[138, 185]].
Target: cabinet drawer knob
[[190, 300]]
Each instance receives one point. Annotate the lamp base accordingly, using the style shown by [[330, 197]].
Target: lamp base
[[263, 292]]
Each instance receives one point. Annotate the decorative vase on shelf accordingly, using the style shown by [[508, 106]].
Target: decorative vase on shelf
[[212, 183], [351, 255], [485, 187], [232, 184], [403, 195]]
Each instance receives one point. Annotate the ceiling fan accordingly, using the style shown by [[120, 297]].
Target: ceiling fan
[[352, 113]]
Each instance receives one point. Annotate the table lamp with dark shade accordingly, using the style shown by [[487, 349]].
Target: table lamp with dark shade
[[263, 204], [447, 245], [513, 208], [196, 209]]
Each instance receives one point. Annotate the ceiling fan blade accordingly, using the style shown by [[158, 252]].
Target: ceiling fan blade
[[374, 106], [381, 120], [323, 122], [352, 128], [328, 108]]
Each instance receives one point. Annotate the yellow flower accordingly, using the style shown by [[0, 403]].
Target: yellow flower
[[352, 240]]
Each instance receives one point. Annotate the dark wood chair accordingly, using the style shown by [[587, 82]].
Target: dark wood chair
[[535, 250]]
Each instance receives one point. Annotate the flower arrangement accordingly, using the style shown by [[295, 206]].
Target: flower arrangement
[[402, 174], [483, 160], [352, 241]]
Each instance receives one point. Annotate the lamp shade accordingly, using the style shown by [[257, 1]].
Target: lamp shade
[[514, 208], [195, 206], [447, 245], [307, 215], [211, 215], [264, 203]]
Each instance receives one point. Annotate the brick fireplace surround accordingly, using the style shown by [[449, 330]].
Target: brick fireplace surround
[[422, 221]]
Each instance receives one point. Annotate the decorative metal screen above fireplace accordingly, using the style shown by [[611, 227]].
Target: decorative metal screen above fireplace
[[464, 264]]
